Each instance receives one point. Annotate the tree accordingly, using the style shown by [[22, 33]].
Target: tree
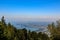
[[2, 28], [3, 21], [25, 33], [9, 32], [55, 31]]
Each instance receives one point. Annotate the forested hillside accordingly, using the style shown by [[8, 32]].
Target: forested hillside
[[9, 32]]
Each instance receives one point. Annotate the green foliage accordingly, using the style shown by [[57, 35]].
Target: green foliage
[[9, 32], [54, 30]]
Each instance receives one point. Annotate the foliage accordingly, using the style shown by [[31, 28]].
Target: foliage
[[54, 29], [9, 32]]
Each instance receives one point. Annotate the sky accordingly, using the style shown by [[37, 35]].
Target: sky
[[30, 9]]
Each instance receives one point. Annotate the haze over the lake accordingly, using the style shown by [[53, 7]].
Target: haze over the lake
[[26, 10]]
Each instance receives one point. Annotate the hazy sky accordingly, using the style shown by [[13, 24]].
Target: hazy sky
[[30, 9]]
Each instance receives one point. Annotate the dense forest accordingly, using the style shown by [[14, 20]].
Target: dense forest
[[9, 32]]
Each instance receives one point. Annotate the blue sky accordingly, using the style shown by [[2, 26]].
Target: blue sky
[[30, 9]]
